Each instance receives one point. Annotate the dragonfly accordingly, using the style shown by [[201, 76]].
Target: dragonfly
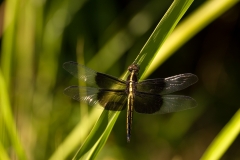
[[148, 96]]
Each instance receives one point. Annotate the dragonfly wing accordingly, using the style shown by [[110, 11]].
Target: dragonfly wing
[[167, 85], [114, 100], [176, 103], [153, 103], [92, 78]]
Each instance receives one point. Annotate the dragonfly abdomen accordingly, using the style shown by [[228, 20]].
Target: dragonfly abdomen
[[129, 116]]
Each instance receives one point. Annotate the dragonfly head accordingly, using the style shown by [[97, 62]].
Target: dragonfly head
[[133, 68]]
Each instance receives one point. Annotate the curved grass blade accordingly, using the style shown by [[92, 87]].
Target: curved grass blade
[[98, 136], [223, 140], [161, 32], [190, 26], [100, 132]]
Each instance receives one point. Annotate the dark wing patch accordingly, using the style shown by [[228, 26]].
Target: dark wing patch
[[92, 78], [151, 103], [114, 100], [167, 85], [147, 103], [109, 82], [109, 99]]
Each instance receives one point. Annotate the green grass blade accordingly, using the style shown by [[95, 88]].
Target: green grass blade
[[7, 117], [224, 139], [104, 125], [161, 32], [8, 40], [189, 27], [3, 152], [98, 136], [76, 137]]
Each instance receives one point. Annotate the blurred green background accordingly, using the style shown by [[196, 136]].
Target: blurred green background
[[38, 36]]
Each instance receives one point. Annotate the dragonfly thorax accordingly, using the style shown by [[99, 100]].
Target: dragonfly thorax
[[132, 80]]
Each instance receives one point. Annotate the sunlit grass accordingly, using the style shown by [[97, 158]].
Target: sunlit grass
[[224, 139]]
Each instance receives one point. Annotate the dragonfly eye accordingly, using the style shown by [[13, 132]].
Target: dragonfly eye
[[133, 67]]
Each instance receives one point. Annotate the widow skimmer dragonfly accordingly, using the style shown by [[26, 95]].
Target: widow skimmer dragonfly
[[147, 96]]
